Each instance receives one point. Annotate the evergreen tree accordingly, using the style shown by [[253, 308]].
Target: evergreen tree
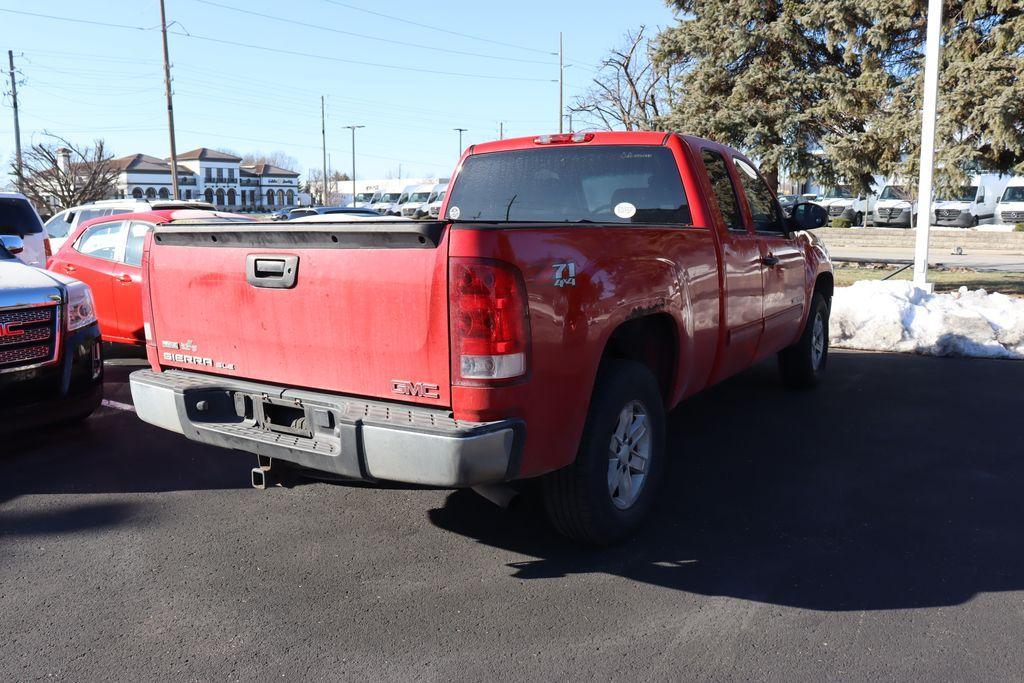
[[832, 88]]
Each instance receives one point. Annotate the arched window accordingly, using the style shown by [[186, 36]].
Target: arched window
[[280, 197], [137, 193], [164, 194], [231, 197], [150, 193], [270, 197], [208, 196], [220, 197], [291, 197]]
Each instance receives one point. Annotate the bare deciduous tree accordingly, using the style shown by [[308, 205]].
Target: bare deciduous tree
[[60, 174], [279, 159], [630, 91]]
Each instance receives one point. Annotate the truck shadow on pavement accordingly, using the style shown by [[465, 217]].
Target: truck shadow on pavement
[[897, 484]]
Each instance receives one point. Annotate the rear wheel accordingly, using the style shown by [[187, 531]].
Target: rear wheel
[[803, 364], [858, 219], [604, 495]]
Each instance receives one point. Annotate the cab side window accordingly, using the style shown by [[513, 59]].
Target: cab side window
[[59, 225], [722, 186], [136, 239], [760, 199], [104, 241]]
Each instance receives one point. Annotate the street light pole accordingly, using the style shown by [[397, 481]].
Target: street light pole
[[461, 131], [561, 83], [932, 50], [353, 129]]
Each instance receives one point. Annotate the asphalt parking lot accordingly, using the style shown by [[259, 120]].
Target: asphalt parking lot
[[870, 529]]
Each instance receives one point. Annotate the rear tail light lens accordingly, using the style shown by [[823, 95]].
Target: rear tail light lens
[[490, 326], [47, 248]]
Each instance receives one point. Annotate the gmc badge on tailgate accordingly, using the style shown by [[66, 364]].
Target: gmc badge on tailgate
[[404, 387]]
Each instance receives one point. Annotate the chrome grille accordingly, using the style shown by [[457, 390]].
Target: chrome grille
[[28, 336], [948, 213], [1012, 216], [889, 213], [836, 210]]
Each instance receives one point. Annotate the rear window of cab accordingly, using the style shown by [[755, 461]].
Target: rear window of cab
[[18, 218], [614, 184]]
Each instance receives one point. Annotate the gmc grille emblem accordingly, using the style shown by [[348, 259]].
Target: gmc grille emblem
[[404, 387], [10, 329]]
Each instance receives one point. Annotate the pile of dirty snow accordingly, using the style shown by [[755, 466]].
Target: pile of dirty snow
[[897, 316]]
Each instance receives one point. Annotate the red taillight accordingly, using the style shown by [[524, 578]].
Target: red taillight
[[563, 138], [47, 248], [490, 326]]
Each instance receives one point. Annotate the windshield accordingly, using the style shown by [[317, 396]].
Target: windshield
[[364, 196], [1014, 194], [440, 196], [391, 197], [419, 196], [841, 192], [600, 184], [967, 193], [18, 218], [894, 192]]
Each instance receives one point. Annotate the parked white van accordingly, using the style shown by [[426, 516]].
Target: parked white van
[[19, 218], [365, 199], [65, 222], [1010, 210], [895, 207], [433, 209], [843, 202], [387, 203], [417, 198], [969, 205]]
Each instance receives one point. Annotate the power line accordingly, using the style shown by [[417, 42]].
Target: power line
[[438, 28], [295, 53], [369, 37]]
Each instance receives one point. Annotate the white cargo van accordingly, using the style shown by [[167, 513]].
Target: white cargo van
[[895, 207], [433, 209], [417, 198], [386, 202], [843, 202], [969, 205], [1010, 210]]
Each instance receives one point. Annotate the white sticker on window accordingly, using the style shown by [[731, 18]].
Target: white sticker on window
[[454, 213], [624, 210]]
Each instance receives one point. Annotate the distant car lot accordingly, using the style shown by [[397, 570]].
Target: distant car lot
[[885, 538]]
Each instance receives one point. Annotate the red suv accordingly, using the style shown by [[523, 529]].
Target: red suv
[[106, 253]]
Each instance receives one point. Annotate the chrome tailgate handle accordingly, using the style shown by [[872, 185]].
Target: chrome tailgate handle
[[271, 271]]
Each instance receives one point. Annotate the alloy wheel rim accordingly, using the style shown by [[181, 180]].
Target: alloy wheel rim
[[629, 455]]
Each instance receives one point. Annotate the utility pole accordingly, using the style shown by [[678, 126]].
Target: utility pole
[[932, 49], [17, 127], [353, 129], [501, 130], [461, 131], [323, 138], [170, 104], [561, 82]]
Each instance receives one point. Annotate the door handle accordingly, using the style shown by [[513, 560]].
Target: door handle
[[271, 271], [770, 260], [124, 277]]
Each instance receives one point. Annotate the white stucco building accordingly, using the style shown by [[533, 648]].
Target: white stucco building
[[206, 174]]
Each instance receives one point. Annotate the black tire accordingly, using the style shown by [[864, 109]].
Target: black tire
[[858, 219], [801, 366], [577, 498], [974, 222]]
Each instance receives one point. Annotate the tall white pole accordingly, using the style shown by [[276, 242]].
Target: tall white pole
[[561, 84], [932, 52]]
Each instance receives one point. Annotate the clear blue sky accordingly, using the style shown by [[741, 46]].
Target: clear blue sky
[[88, 81]]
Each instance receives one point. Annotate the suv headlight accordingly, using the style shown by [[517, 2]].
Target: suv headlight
[[81, 310]]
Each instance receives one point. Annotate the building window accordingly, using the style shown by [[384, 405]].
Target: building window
[[150, 193], [220, 174], [188, 194], [164, 194], [291, 197], [231, 174], [209, 175], [208, 195], [231, 197], [270, 197], [220, 197], [137, 193]]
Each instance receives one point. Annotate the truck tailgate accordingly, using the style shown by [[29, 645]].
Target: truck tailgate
[[354, 308]]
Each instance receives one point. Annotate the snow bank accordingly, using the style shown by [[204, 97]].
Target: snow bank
[[897, 316]]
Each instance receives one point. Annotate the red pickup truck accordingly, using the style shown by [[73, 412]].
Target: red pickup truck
[[579, 287]]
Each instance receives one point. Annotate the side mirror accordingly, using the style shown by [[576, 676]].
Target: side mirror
[[808, 216], [12, 243]]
